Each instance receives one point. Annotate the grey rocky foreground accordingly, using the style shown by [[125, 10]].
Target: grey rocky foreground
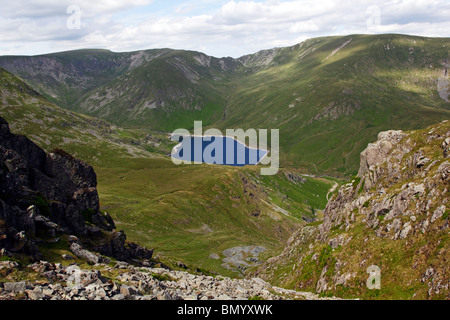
[[136, 283]]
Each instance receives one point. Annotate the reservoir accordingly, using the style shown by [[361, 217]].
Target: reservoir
[[221, 150]]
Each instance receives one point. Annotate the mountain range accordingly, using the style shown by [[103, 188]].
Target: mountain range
[[328, 96]]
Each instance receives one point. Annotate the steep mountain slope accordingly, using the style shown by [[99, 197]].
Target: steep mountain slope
[[168, 92], [331, 96], [91, 139], [149, 88], [63, 77], [394, 215], [328, 96]]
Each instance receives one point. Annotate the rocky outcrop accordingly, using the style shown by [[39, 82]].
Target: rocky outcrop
[[401, 175], [117, 247], [122, 281], [393, 214], [294, 178], [45, 195]]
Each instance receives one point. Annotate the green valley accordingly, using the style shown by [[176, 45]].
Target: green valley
[[329, 97], [186, 213]]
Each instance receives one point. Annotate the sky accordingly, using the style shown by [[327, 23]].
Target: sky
[[217, 28]]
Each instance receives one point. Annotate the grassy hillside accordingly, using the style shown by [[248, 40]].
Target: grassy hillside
[[188, 213], [331, 96]]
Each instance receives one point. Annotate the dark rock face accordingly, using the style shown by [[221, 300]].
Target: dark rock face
[[62, 187], [47, 194], [117, 247], [71, 186]]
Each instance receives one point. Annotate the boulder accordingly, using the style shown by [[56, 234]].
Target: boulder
[[438, 213], [118, 296], [35, 294], [84, 254], [446, 147], [15, 287], [376, 153], [103, 221], [47, 227], [118, 248], [128, 291]]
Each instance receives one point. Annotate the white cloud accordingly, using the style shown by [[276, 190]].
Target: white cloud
[[270, 12], [47, 8], [231, 28]]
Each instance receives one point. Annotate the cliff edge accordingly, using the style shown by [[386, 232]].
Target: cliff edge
[[44, 197], [392, 217]]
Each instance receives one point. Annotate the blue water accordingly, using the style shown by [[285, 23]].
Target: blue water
[[216, 150]]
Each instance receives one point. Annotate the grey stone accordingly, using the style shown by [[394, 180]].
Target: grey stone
[[101, 293], [118, 297], [48, 292], [49, 274], [438, 213], [129, 291], [164, 295], [73, 238], [83, 253], [15, 287], [36, 294], [8, 265], [405, 231]]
